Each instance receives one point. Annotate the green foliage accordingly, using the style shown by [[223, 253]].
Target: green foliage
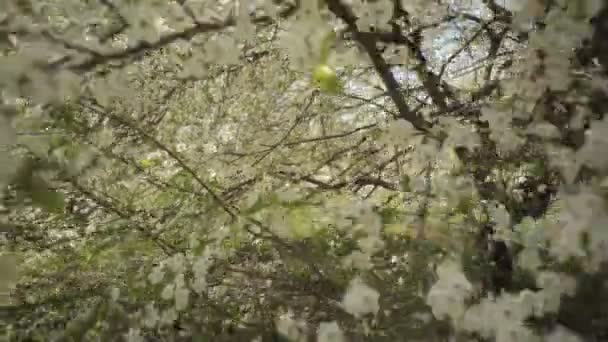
[[50, 200], [34, 187]]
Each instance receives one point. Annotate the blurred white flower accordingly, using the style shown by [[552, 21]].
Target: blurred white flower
[[168, 291], [292, 329], [134, 335], [151, 316], [562, 334], [330, 332], [181, 298], [358, 260], [156, 276], [448, 295], [360, 299], [181, 147]]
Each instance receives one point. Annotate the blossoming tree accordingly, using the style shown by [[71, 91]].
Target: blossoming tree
[[325, 170]]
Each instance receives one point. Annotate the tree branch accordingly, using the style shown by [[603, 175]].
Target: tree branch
[[382, 68]]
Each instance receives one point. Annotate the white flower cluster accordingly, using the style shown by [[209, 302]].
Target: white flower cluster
[[358, 260], [302, 41], [200, 268], [151, 316], [176, 290], [455, 189], [562, 334], [330, 332], [134, 335], [360, 299], [293, 329], [447, 298], [157, 275], [583, 214], [559, 40], [504, 317], [593, 152], [398, 133], [500, 129], [460, 135], [371, 224], [181, 294], [357, 218]]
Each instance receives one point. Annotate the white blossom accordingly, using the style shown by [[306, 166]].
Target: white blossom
[[168, 316], [360, 299], [293, 329], [157, 275], [448, 295], [134, 335], [151, 316], [358, 260], [168, 291], [181, 298], [330, 332], [398, 132], [563, 334]]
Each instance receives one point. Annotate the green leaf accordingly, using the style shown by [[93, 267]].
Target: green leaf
[[43, 196], [397, 229], [8, 277], [537, 168], [165, 199], [390, 215], [326, 45], [405, 183], [301, 223], [201, 337], [263, 202], [146, 163], [50, 200], [58, 141]]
